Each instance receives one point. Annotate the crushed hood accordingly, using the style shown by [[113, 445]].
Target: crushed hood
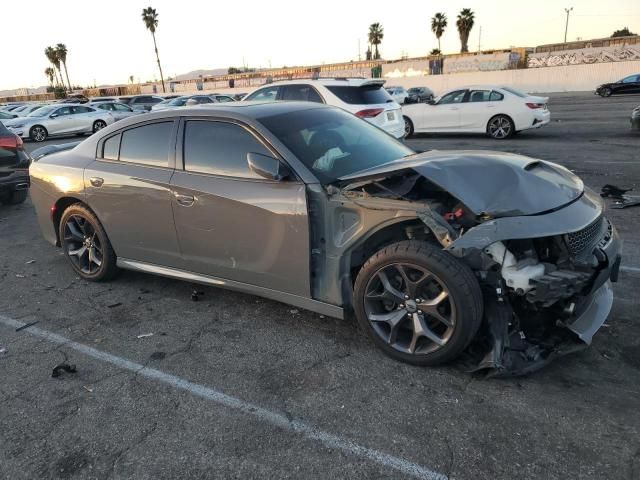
[[489, 183]]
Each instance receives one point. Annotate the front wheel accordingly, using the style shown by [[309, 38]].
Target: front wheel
[[500, 127], [408, 127], [99, 125], [38, 133], [605, 92], [417, 303], [86, 245]]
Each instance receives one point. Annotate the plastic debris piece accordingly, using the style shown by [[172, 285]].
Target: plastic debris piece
[[3, 350], [26, 325], [30, 262], [293, 312], [195, 295], [114, 305], [88, 389], [19, 275], [63, 367], [145, 335]]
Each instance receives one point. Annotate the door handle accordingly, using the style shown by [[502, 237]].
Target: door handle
[[96, 181], [185, 200]]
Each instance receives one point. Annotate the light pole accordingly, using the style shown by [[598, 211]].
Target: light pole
[[566, 27]]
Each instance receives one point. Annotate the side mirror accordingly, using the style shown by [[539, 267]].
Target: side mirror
[[267, 167], [53, 115]]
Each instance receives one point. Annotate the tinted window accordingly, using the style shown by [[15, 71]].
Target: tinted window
[[496, 97], [333, 143], [268, 94], [219, 148], [63, 111], [111, 148], [479, 96], [224, 99], [453, 97], [630, 79], [120, 108], [366, 95], [304, 93], [83, 110], [148, 145]]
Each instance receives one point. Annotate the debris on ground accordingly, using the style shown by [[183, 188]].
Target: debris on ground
[[63, 367], [158, 355], [26, 325], [293, 312], [143, 290], [114, 305], [19, 275], [145, 335], [30, 262], [3, 350], [195, 295], [88, 389], [620, 195]]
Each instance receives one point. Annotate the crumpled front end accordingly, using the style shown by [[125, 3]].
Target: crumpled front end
[[547, 295]]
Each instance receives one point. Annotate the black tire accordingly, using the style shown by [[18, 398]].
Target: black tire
[[408, 127], [17, 197], [606, 92], [464, 297], [38, 133], [88, 235], [99, 125], [500, 127]]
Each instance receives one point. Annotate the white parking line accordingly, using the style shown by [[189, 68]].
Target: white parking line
[[629, 269], [274, 418]]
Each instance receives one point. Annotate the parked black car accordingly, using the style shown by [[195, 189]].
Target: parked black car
[[419, 95], [14, 168], [630, 84], [635, 118]]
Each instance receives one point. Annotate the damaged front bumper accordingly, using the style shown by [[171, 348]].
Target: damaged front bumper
[[514, 343]]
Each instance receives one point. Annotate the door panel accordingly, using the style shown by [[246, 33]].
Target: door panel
[[434, 118], [250, 231], [134, 206]]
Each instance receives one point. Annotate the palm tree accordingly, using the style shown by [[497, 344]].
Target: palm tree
[[465, 24], [50, 72], [376, 34], [150, 19], [438, 25], [435, 51], [52, 56], [61, 53], [131, 79]]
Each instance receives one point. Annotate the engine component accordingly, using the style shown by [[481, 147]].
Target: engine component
[[518, 275]]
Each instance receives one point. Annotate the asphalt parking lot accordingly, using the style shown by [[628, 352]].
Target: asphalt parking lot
[[234, 386]]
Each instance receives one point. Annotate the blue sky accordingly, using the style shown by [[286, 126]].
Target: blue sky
[[107, 41]]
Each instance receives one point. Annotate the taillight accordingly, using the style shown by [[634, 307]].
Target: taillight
[[369, 112], [535, 105], [11, 141]]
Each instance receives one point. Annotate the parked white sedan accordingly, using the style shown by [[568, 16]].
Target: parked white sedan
[[498, 111], [59, 119]]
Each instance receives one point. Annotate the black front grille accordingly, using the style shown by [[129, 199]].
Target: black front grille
[[584, 240]]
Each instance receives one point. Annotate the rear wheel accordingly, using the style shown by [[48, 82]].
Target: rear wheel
[[38, 133], [86, 245], [500, 127], [418, 304], [17, 197], [99, 125], [408, 127]]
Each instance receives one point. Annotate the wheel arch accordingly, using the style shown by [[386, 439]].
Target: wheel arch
[[61, 205]]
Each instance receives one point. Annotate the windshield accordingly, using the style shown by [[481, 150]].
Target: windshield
[[515, 92], [42, 112], [333, 143], [178, 102]]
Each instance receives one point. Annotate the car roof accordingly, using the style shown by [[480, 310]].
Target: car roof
[[346, 82]]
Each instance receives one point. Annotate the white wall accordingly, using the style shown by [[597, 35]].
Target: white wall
[[571, 78]]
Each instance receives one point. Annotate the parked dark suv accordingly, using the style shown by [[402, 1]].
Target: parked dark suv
[[14, 168]]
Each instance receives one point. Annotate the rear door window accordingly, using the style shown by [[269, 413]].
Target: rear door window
[[111, 148], [220, 148], [147, 145], [365, 95], [304, 93], [496, 96], [479, 96]]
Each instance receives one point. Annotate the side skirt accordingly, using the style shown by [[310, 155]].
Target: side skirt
[[295, 300]]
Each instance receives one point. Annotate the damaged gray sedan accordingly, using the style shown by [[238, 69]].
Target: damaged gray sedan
[[505, 258]]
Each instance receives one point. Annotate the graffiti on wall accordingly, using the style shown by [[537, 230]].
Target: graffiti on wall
[[587, 55], [479, 63]]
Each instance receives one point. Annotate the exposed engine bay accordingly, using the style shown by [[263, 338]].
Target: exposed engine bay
[[544, 272]]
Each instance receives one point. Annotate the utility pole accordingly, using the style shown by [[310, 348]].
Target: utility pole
[[479, 38], [359, 56], [566, 27]]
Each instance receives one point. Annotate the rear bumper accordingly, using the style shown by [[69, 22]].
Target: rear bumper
[[14, 182], [635, 122]]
